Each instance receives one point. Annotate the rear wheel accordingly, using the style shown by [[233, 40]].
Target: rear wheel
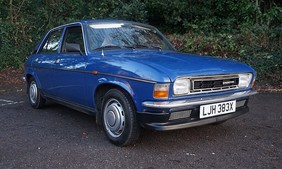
[[35, 98], [119, 118]]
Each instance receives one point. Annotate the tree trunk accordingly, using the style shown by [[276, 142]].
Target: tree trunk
[[258, 8], [11, 13]]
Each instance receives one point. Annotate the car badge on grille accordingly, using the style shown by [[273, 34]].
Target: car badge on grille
[[227, 82]]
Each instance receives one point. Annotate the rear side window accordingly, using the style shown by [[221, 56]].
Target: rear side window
[[51, 45]]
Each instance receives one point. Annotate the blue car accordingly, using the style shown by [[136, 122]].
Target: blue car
[[130, 77]]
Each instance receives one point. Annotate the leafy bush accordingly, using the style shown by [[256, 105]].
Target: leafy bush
[[241, 29], [129, 11], [12, 47], [268, 66], [267, 63]]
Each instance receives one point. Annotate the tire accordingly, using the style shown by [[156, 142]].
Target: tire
[[119, 118], [34, 96]]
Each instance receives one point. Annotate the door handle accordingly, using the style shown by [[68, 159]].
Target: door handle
[[57, 61]]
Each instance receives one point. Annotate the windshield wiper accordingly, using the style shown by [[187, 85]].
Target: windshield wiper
[[129, 47], [141, 46], [155, 47], [108, 47], [135, 46]]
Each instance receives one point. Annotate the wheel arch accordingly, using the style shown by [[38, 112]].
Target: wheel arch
[[27, 77], [30, 75], [102, 89]]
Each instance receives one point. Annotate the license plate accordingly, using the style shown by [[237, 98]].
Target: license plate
[[216, 109]]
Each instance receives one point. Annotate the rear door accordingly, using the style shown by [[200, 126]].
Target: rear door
[[44, 60], [69, 67]]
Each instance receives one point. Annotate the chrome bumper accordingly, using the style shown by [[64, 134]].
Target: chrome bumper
[[198, 101]]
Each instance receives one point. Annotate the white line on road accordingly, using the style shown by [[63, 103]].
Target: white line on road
[[8, 102]]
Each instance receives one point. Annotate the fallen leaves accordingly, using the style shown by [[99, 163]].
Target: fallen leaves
[[10, 76]]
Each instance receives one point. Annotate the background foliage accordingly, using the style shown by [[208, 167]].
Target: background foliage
[[245, 30]]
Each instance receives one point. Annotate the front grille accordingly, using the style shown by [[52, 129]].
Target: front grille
[[214, 83]]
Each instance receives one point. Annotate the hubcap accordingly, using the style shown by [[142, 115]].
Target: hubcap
[[114, 118], [33, 92]]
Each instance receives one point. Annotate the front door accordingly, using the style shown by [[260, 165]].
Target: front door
[[69, 67]]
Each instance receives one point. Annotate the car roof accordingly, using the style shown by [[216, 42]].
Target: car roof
[[82, 22], [107, 20]]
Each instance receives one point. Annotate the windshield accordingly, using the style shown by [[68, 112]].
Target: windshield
[[123, 35]]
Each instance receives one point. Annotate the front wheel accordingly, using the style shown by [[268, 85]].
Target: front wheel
[[119, 118], [35, 98]]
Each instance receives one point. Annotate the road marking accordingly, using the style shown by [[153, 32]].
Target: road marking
[[8, 102], [5, 100]]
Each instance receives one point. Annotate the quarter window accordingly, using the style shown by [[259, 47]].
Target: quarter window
[[52, 43]]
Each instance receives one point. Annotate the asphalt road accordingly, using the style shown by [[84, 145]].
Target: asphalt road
[[59, 137]]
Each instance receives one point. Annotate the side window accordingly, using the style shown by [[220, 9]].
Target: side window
[[51, 45], [73, 36]]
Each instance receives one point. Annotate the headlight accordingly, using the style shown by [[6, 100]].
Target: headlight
[[181, 86], [245, 80]]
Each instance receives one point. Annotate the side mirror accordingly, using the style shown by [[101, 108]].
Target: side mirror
[[73, 47]]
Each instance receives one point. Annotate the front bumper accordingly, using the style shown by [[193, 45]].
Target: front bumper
[[171, 115]]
